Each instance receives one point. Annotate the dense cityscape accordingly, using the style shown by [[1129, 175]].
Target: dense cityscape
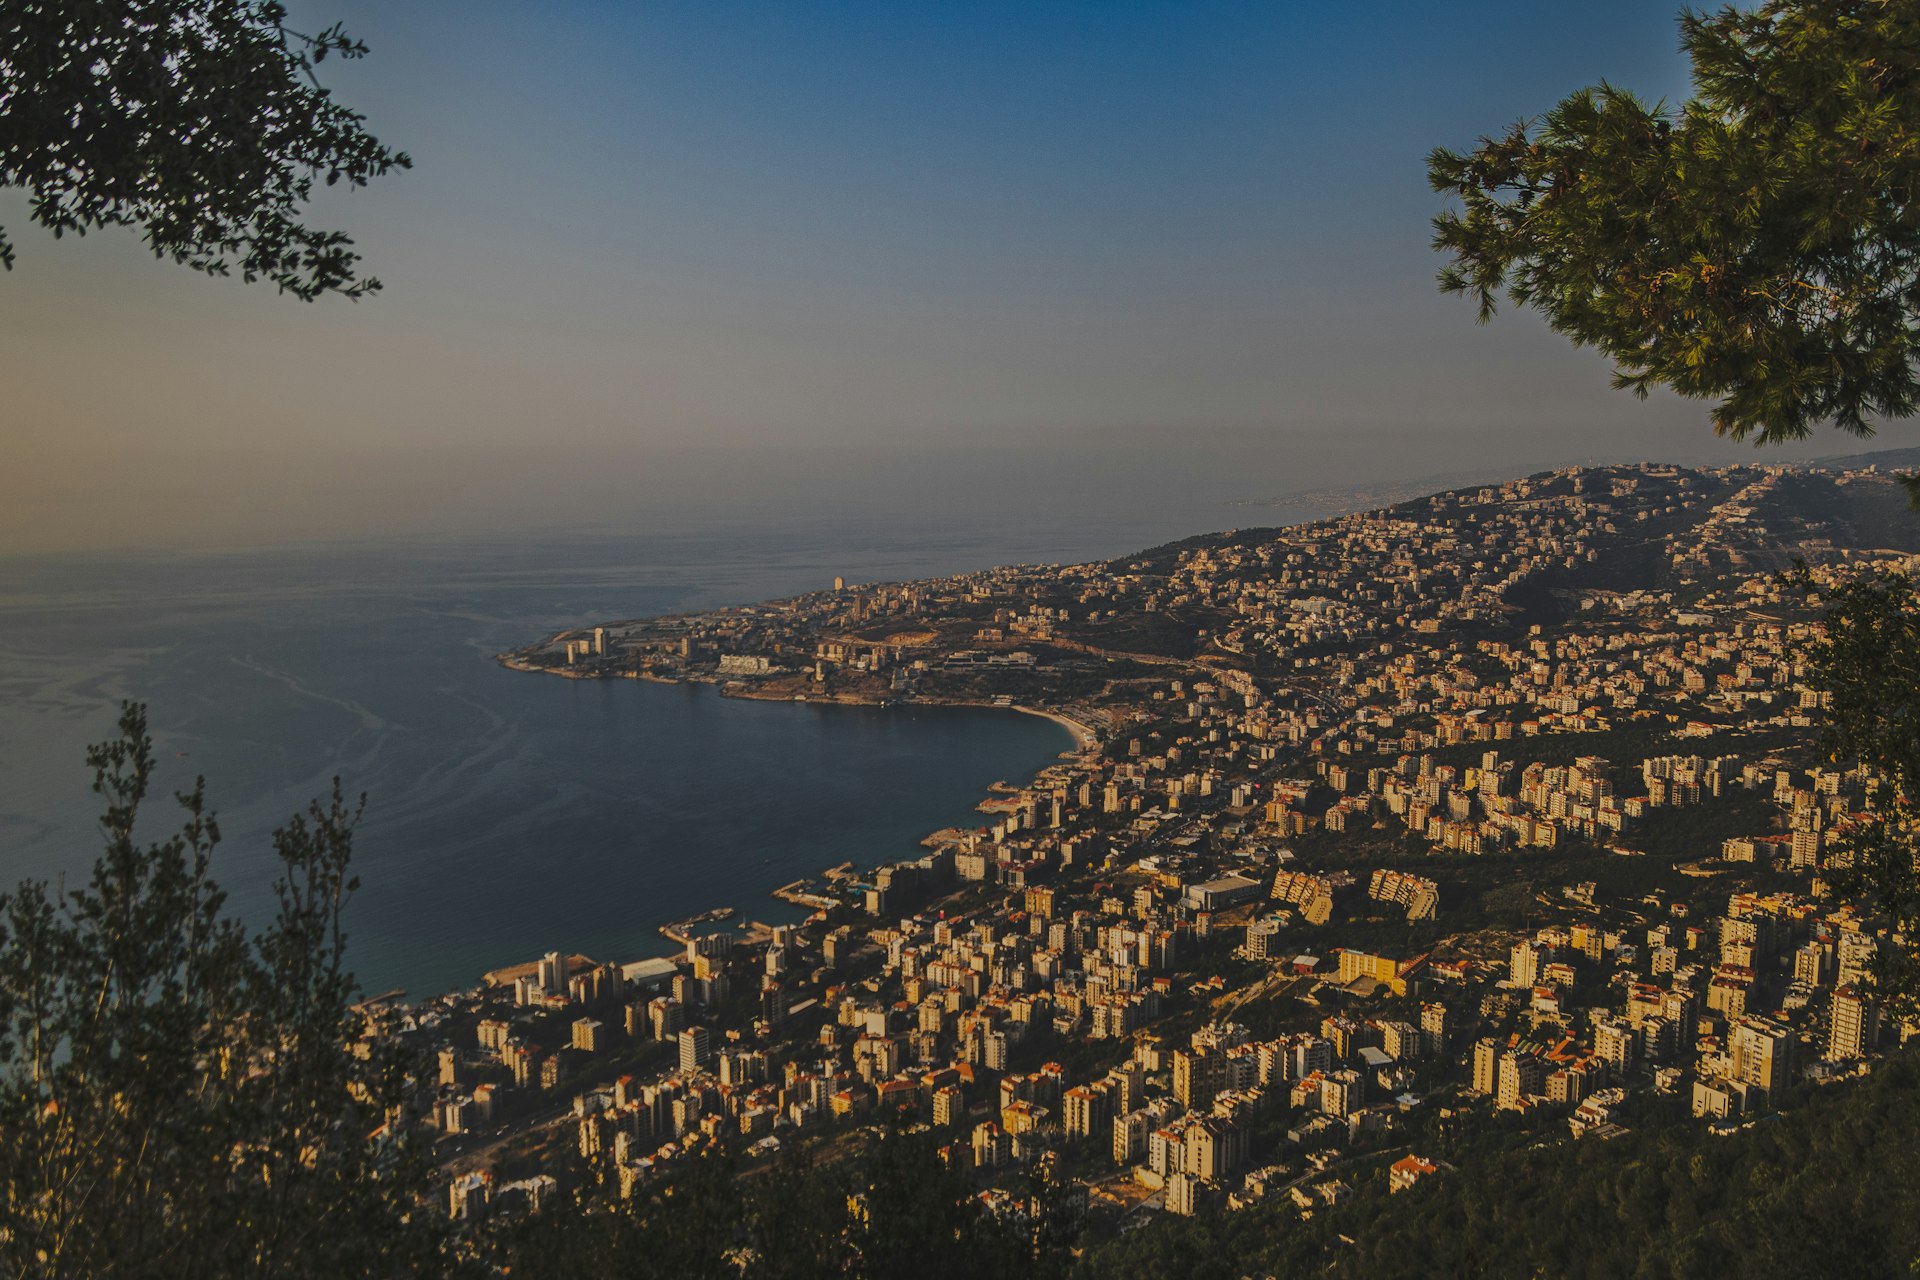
[[1500, 803], [1470, 873]]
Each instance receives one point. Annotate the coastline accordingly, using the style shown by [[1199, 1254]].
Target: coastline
[[1085, 737], [1086, 740]]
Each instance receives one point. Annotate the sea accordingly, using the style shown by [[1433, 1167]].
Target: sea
[[507, 814]]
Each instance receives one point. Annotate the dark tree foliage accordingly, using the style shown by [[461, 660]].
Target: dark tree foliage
[[1757, 246], [180, 1099], [1867, 663], [889, 1211], [691, 1225], [201, 122]]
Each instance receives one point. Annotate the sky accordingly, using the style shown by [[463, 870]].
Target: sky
[[669, 263]]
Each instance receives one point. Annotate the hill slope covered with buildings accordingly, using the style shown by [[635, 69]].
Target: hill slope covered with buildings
[[1399, 844]]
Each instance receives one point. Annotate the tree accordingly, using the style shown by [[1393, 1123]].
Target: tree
[[1757, 246], [893, 1208], [202, 122], [181, 1099], [1760, 247], [1867, 662]]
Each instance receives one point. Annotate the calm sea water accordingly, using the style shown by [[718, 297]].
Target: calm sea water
[[508, 814]]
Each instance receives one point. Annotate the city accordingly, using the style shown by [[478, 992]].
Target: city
[[689, 731], [1503, 801]]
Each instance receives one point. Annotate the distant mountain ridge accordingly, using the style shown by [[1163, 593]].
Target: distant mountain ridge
[[1886, 459], [1870, 516]]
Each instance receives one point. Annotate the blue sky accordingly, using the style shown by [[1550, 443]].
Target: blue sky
[[663, 259]]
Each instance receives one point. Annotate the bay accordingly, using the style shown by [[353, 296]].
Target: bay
[[507, 814]]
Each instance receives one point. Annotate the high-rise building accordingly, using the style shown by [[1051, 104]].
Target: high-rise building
[[1522, 1076], [1130, 1136], [1433, 1028], [1264, 936], [1085, 1110], [469, 1193], [1856, 958], [666, 1016], [994, 1051], [1854, 1025], [1523, 964], [1763, 1054], [992, 1147], [1343, 1034], [1810, 964], [1614, 1042], [1310, 1054], [1486, 1067], [553, 973], [1183, 1195], [1196, 1078], [1342, 1092], [837, 946], [1401, 1040], [1129, 1083], [696, 1048], [1215, 1148]]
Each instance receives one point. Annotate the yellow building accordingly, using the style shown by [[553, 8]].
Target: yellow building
[[1385, 970]]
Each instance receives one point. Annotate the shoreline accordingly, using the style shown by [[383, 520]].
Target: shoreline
[[1085, 737], [1086, 741]]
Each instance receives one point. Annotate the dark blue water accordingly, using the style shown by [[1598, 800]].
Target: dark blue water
[[508, 814]]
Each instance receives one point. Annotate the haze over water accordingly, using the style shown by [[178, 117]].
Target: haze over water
[[508, 814]]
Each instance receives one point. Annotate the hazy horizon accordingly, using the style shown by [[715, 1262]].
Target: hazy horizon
[[1068, 507], [746, 262]]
